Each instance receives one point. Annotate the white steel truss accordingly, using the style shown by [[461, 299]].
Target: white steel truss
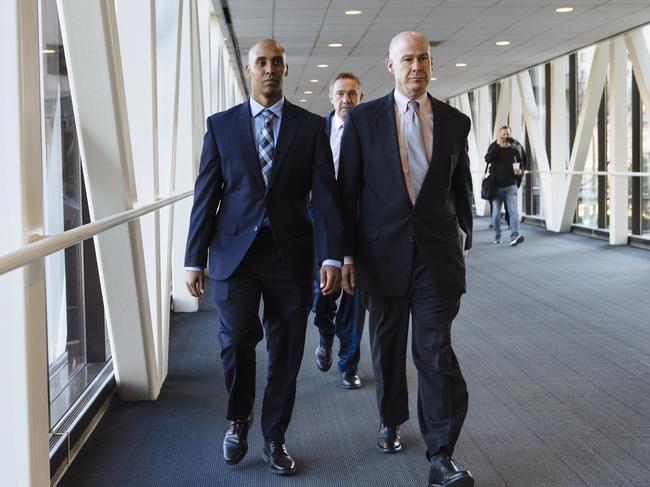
[[561, 171], [144, 75]]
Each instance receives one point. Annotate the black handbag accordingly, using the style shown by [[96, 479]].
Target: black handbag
[[487, 185]]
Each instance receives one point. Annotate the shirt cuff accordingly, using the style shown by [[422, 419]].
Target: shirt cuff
[[332, 262], [198, 269], [348, 259]]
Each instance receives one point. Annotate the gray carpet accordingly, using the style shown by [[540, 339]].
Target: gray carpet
[[554, 341]]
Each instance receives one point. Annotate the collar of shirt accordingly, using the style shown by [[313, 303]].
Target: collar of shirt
[[337, 122], [401, 102], [276, 108]]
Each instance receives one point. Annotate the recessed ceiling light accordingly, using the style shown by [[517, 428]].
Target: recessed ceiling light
[[313, 81], [308, 92], [335, 44], [503, 43], [353, 12], [461, 65], [564, 10], [323, 65], [48, 51], [433, 78], [302, 100]]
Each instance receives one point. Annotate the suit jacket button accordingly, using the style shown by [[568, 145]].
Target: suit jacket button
[[255, 229], [410, 238]]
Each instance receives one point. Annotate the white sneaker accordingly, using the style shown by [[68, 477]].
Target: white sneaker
[[518, 239], [496, 241]]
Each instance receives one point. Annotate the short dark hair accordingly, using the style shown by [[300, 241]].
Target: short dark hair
[[346, 75], [504, 127]]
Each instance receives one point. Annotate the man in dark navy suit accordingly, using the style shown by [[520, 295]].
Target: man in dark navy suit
[[404, 172], [260, 161], [346, 322]]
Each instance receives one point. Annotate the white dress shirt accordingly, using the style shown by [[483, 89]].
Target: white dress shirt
[[336, 131]]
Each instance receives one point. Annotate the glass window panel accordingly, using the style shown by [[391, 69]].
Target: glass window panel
[[64, 208]]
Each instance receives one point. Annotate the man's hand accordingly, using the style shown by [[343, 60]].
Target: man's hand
[[194, 282], [330, 279], [349, 279], [518, 172]]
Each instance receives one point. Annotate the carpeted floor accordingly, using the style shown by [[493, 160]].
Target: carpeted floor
[[554, 341]]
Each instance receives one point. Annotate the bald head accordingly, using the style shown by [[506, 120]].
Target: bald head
[[405, 38], [409, 61], [263, 45]]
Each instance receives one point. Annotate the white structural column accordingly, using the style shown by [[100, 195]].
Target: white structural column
[[534, 129], [483, 126], [516, 125], [137, 33], [559, 144], [503, 108], [90, 37], [190, 136], [618, 185], [168, 34], [568, 194], [205, 15], [474, 158], [23, 361], [640, 55]]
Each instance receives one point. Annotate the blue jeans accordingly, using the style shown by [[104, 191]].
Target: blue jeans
[[509, 195], [346, 323]]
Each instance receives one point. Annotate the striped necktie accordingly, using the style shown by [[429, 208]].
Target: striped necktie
[[417, 156], [265, 145]]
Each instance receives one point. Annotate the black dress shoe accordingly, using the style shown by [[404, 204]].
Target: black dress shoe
[[275, 454], [324, 358], [388, 439], [235, 443], [350, 380], [445, 472]]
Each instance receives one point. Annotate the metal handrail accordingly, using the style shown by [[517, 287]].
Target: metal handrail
[[596, 173], [593, 173], [49, 245]]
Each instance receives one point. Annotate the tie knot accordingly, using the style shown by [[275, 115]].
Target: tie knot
[[414, 106], [268, 116]]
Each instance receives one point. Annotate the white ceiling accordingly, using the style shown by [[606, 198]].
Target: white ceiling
[[467, 30]]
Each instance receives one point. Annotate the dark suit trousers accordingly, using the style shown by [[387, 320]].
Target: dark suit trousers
[[442, 392], [262, 274]]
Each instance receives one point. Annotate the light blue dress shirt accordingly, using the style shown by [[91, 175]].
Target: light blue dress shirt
[[258, 120]]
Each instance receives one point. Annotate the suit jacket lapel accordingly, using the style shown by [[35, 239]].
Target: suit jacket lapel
[[386, 128], [328, 124], [440, 134], [249, 145], [288, 128]]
